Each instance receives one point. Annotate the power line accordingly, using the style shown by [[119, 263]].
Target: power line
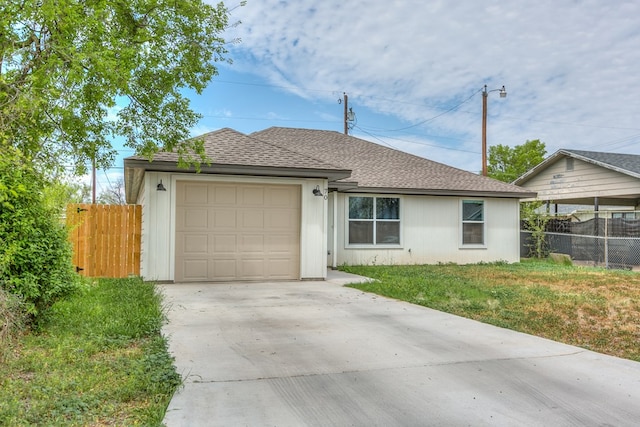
[[416, 143], [266, 119], [355, 94], [434, 117], [376, 138]]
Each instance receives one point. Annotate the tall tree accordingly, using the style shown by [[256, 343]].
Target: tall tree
[[76, 73], [507, 164], [113, 194]]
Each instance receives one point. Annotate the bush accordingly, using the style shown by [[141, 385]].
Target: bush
[[35, 254], [12, 321]]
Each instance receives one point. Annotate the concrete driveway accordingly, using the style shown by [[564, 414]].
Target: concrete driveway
[[319, 354]]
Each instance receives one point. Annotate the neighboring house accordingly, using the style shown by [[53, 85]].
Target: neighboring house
[[286, 203], [575, 177]]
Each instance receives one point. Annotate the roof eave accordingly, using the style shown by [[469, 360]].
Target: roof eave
[[442, 192], [134, 170], [568, 153], [603, 164], [540, 166]]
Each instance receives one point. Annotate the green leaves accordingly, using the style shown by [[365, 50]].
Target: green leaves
[[64, 64], [35, 255], [507, 164]]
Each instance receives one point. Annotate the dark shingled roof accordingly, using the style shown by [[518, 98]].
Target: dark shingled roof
[[306, 153], [377, 167], [621, 162], [230, 147]]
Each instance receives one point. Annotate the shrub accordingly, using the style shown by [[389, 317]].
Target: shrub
[[535, 221], [35, 254], [12, 321]]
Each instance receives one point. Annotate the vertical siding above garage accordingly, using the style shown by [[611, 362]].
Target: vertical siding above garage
[[157, 253], [313, 252]]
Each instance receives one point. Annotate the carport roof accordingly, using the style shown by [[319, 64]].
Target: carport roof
[[587, 189], [628, 164]]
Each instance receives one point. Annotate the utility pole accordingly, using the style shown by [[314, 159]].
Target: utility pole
[[349, 115], [346, 126], [485, 95]]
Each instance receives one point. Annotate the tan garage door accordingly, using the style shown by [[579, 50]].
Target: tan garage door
[[237, 231]]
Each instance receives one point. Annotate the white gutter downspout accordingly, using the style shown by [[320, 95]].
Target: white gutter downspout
[[334, 262]]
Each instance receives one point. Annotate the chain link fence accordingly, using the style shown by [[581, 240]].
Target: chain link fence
[[609, 239]]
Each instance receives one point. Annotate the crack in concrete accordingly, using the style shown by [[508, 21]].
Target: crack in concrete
[[355, 371]]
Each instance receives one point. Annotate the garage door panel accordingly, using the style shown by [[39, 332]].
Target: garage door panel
[[252, 243], [196, 218], [283, 243], [279, 268], [196, 269], [225, 244], [281, 197], [195, 194], [252, 269], [225, 195], [252, 219], [252, 196], [280, 218], [228, 231], [225, 218], [223, 269], [195, 244]]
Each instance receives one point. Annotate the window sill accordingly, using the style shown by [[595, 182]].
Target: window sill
[[463, 247], [379, 246]]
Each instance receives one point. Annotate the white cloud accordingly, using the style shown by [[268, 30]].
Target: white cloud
[[570, 67]]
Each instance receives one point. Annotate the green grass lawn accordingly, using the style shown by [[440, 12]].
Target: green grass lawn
[[98, 359], [592, 308]]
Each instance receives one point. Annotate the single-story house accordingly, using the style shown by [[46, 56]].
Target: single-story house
[[577, 177], [288, 203]]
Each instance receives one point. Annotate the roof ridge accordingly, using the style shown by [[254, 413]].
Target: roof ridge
[[376, 145], [375, 165], [289, 150]]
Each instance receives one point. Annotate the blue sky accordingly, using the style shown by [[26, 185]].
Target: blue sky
[[413, 71]]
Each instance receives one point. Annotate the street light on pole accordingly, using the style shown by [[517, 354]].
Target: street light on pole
[[485, 95]]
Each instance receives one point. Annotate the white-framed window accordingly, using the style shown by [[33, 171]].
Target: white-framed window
[[473, 222], [374, 220], [624, 215]]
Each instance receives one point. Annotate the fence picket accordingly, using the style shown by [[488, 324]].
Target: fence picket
[[105, 239]]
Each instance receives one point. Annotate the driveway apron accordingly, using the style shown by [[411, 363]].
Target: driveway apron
[[315, 353]]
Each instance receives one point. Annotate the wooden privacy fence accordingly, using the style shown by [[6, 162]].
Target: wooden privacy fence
[[106, 239]]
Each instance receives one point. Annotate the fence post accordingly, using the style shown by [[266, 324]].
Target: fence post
[[606, 241]]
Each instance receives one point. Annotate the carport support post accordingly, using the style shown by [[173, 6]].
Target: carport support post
[[606, 243], [334, 262], [596, 231]]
